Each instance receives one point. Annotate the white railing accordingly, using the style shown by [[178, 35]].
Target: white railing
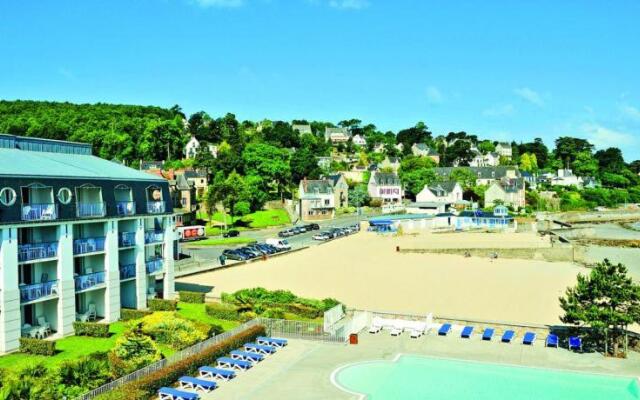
[[300, 330]]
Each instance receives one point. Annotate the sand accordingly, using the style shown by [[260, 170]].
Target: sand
[[364, 271]]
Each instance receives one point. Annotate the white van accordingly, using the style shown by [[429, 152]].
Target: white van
[[280, 244]]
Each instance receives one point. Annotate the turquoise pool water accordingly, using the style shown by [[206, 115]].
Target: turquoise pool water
[[415, 377]]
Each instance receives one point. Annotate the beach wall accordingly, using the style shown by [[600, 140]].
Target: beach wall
[[592, 216], [553, 254]]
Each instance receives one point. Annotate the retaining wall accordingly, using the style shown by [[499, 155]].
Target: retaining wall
[[554, 254]]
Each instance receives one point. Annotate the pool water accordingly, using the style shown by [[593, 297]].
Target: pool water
[[415, 377]]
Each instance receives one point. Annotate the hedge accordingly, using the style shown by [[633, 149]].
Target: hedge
[[146, 387], [162, 305], [38, 346], [191, 297], [127, 314], [91, 329], [223, 311]]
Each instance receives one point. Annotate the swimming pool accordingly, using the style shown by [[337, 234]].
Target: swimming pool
[[415, 377]]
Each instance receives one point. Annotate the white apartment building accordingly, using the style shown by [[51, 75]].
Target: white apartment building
[[80, 238]]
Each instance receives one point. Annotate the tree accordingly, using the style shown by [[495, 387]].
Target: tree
[[528, 162], [584, 164], [538, 148], [418, 134], [359, 196], [459, 153], [486, 146], [634, 166], [610, 160], [132, 351], [414, 181], [281, 134], [607, 300], [567, 149], [465, 177], [268, 162]]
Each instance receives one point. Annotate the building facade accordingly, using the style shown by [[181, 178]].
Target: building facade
[[80, 238], [385, 187], [337, 135], [510, 192], [340, 190], [504, 149], [316, 200]]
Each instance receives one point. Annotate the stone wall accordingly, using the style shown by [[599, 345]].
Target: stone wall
[[554, 254]]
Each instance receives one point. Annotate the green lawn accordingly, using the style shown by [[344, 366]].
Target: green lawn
[[222, 241], [197, 312], [256, 220]]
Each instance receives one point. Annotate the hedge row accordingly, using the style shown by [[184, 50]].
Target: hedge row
[[162, 305], [38, 346], [127, 314], [147, 387], [223, 311], [191, 297], [93, 329]]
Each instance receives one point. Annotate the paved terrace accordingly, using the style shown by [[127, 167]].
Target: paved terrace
[[303, 369]]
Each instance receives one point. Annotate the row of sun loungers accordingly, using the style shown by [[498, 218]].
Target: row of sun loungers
[[225, 369], [398, 326]]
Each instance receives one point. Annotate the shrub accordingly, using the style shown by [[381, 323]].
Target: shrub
[[222, 311], [38, 346], [276, 313], [146, 387], [192, 297], [86, 373], [132, 351], [248, 316], [127, 314], [91, 329], [167, 328], [162, 305]]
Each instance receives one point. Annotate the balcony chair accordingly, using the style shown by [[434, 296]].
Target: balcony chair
[[89, 315], [45, 327]]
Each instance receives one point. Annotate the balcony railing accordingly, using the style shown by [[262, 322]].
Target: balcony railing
[[126, 239], [153, 237], [39, 212], [155, 207], [126, 207], [154, 265], [38, 290], [37, 251], [88, 281], [88, 245], [84, 210], [127, 271]]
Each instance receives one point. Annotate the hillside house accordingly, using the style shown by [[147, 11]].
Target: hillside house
[[316, 200], [386, 187]]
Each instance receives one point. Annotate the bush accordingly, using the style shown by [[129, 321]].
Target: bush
[[162, 305], [146, 387], [38, 346], [222, 311], [127, 314], [191, 297], [92, 329], [132, 351], [275, 313], [167, 328]]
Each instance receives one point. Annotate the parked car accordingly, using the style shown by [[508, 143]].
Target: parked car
[[312, 227], [231, 233], [322, 236], [298, 230], [267, 248], [234, 255], [286, 233], [280, 244]]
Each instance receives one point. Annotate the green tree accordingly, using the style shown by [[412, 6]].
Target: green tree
[[132, 351], [567, 149], [465, 177], [584, 164], [359, 196], [486, 146], [270, 163], [459, 153], [610, 160]]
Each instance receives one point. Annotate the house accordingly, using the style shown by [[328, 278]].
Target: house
[[392, 163], [565, 177], [530, 178], [340, 190], [199, 180], [337, 135], [510, 192], [183, 194], [192, 148], [385, 187], [484, 175], [359, 140], [422, 150], [316, 200], [378, 148], [399, 147], [437, 198], [302, 129], [504, 149], [491, 159]]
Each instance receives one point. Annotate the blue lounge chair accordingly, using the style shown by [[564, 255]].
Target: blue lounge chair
[[552, 340], [575, 343], [508, 336], [246, 356], [466, 332], [167, 393], [529, 338], [189, 382], [444, 329], [258, 348], [269, 341], [228, 362], [488, 333], [216, 373]]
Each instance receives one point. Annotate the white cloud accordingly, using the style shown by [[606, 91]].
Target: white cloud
[[603, 137], [530, 95], [499, 110], [630, 111], [434, 96], [219, 3], [349, 4]]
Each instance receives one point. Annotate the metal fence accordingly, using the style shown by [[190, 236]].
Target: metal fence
[[300, 330]]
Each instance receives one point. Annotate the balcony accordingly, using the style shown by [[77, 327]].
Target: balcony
[[39, 212], [37, 251], [37, 291], [87, 210], [87, 281], [153, 237], [125, 208], [88, 245], [127, 271], [154, 265], [126, 239], [155, 207]]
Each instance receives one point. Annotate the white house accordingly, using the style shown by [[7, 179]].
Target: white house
[[448, 192], [566, 177], [192, 148], [390, 162], [359, 140], [491, 159], [317, 201], [504, 149], [422, 150], [337, 135], [385, 187], [378, 148], [510, 192]]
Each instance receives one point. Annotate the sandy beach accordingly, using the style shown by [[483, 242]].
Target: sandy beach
[[364, 271]]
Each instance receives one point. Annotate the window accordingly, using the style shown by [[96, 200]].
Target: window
[[7, 196], [64, 195]]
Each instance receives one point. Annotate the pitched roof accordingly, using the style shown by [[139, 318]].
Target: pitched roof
[[190, 174], [329, 131], [480, 172], [511, 185], [182, 183], [301, 128], [386, 178], [442, 188], [334, 178], [312, 186]]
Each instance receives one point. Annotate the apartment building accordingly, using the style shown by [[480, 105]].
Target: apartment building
[[80, 238]]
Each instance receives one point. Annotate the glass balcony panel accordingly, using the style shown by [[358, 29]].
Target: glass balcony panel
[[154, 265], [126, 207], [126, 239], [39, 212], [88, 245], [127, 271], [38, 290], [84, 210], [153, 237], [88, 281], [155, 207], [37, 251]]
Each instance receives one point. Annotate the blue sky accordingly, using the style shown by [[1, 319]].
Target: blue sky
[[502, 70]]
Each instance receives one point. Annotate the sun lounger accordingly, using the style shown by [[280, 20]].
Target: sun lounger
[[397, 329], [228, 362], [259, 348], [167, 393], [246, 356], [375, 329], [418, 329], [271, 341], [216, 373], [508, 336], [466, 332], [444, 329], [529, 338], [189, 382], [552, 340], [575, 343], [488, 333]]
